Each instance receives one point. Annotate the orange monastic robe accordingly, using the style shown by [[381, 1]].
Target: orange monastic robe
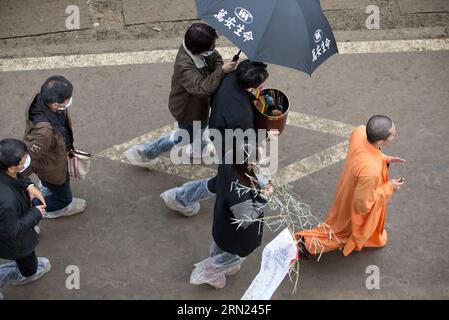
[[357, 215]]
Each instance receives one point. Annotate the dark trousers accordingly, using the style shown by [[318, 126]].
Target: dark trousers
[[212, 185], [60, 197], [28, 265]]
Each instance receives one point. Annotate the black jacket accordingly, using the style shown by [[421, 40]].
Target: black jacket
[[232, 108], [17, 219], [231, 204]]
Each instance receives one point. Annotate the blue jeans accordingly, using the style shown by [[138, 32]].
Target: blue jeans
[[59, 196], [166, 143], [195, 191]]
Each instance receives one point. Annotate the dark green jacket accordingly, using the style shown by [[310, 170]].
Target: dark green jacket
[[192, 87]]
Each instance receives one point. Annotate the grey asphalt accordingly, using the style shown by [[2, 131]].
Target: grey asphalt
[[128, 245]]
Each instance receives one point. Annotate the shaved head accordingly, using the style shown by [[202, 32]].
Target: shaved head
[[378, 128]]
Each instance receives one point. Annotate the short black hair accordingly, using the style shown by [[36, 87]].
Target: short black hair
[[11, 152], [251, 74], [378, 128], [200, 37], [56, 89]]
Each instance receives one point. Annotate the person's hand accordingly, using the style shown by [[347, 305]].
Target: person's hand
[[41, 209], [268, 191], [230, 66], [394, 159], [34, 192], [397, 183]]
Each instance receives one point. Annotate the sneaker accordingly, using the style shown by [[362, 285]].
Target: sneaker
[[219, 282], [233, 270], [147, 162], [170, 201], [76, 206], [137, 157], [210, 275], [43, 267], [303, 252]]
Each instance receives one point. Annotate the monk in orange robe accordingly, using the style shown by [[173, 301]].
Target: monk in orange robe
[[356, 218]]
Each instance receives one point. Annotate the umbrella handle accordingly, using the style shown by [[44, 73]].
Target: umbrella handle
[[236, 57]]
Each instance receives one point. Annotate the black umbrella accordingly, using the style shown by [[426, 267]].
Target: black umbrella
[[291, 33]]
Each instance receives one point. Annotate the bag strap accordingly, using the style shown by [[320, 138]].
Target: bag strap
[[81, 153]]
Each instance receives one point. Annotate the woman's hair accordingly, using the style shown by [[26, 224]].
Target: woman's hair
[[56, 89], [243, 167], [251, 74], [11, 152], [200, 37], [243, 170]]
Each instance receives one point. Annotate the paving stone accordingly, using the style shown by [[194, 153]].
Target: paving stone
[[423, 6], [31, 17]]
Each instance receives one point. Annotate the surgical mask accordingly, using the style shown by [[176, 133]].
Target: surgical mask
[[66, 106], [207, 53], [26, 164]]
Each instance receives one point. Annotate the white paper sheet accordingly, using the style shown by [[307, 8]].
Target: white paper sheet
[[276, 260]]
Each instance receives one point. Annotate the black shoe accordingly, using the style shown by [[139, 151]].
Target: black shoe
[[303, 252]]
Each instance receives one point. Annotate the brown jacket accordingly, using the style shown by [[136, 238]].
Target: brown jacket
[[47, 149], [192, 87]]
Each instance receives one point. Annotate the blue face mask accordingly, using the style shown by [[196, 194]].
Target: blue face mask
[[207, 53]]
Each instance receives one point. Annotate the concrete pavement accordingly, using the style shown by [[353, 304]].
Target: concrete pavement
[[35, 29], [129, 246]]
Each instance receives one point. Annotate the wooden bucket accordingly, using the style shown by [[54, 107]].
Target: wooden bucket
[[264, 121]]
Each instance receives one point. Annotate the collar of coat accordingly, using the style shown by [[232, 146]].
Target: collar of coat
[[19, 183], [371, 148], [42, 113], [39, 112], [197, 58], [251, 96]]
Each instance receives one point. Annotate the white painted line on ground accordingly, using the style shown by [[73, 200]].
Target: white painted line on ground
[[312, 164], [385, 46], [192, 172], [161, 56], [288, 174], [307, 121], [189, 172]]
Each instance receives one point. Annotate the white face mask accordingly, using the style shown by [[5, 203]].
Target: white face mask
[[26, 164], [66, 106], [207, 53]]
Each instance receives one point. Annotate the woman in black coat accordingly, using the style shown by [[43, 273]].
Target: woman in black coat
[[239, 197], [18, 238]]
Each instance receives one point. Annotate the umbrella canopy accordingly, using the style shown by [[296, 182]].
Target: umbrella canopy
[[291, 33]]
